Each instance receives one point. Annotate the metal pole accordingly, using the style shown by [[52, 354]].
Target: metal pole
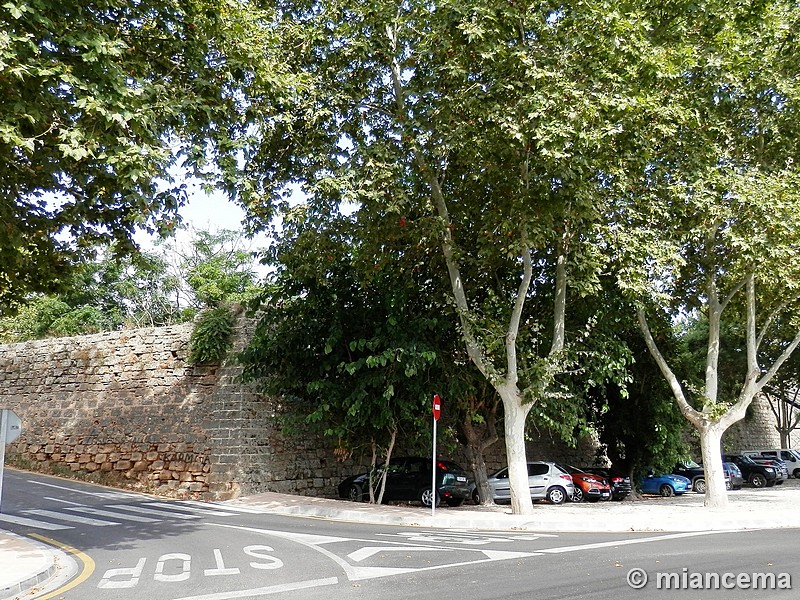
[[3, 427], [433, 480]]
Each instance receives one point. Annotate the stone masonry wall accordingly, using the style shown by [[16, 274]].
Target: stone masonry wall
[[127, 404], [756, 431]]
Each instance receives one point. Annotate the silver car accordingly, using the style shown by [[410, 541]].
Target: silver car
[[546, 480]]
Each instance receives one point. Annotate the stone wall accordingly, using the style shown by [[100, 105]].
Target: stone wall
[[127, 404], [756, 431]]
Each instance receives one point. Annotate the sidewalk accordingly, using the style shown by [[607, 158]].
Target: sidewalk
[[771, 508], [26, 564]]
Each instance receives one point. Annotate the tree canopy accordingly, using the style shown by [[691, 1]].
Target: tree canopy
[[104, 106]]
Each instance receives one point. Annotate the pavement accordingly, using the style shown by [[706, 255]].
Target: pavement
[[29, 567]]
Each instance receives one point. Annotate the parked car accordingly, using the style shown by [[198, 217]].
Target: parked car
[[734, 474], [781, 468], [410, 478], [620, 484], [697, 474], [788, 455], [755, 474], [588, 486], [665, 485], [547, 481]]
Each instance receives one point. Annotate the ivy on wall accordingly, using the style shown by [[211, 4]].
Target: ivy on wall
[[211, 340]]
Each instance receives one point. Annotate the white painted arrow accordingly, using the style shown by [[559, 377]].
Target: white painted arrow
[[367, 551]]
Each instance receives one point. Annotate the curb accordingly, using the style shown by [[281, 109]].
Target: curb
[[35, 561]]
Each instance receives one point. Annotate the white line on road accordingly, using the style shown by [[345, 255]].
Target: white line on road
[[181, 506], [71, 518], [115, 495], [33, 523], [235, 507], [273, 589], [367, 551], [113, 515], [658, 538], [63, 501], [153, 511]]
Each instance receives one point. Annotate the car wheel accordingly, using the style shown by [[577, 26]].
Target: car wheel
[[666, 491], [757, 480], [577, 495], [426, 497], [699, 485], [476, 497], [354, 494], [796, 473], [454, 502], [556, 495], [728, 485]]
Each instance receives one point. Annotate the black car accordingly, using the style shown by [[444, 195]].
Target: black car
[[696, 473], [620, 484], [755, 474], [410, 478], [781, 470]]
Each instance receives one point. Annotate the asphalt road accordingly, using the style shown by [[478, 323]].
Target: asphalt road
[[132, 547]]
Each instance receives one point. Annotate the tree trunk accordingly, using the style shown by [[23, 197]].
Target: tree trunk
[[475, 445], [515, 416], [711, 449]]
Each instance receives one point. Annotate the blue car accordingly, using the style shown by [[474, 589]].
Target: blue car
[[665, 485]]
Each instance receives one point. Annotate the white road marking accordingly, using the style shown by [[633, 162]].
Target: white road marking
[[220, 566], [273, 589], [671, 536], [357, 573], [71, 518], [224, 506], [132, 573], [193, 509], [367, 551], [114, 515], [63, 501], [152, 511], [114, 495], [33, 523]]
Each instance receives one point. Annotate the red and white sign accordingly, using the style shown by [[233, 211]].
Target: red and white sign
[[437, 407]]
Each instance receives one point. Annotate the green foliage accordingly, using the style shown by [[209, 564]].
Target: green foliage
[[211, 338], [212, 268], [100, 103]]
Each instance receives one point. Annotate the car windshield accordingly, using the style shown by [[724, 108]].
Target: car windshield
[[690, 464]]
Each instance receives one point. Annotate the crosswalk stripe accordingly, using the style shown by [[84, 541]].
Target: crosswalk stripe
[[183, 506], [108, 495], [33, 523], [67, 517], [235, 507], [113, 515], [152, 511]]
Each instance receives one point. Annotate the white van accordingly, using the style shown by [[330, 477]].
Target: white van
[[789, 456]]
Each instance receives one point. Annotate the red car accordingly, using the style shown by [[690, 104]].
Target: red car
[[588, 486]]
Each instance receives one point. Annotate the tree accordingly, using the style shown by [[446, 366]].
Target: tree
[[487, 132], [101, 103], [211, 268], [103, 295], [345, 350], [714, 224]]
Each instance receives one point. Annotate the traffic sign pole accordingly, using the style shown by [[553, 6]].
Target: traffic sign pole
[[10, 428], [3, 427], [437, 407]]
